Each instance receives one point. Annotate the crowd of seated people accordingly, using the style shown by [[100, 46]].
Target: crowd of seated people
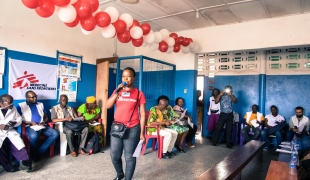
[[33, 116]]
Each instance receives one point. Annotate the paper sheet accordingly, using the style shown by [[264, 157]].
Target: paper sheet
[[138, 149], [285, 146], [37, 128], [286, 143], [284, 151], [94, 124], [190, 123], [181, 117], [77, 119], [254, 123]]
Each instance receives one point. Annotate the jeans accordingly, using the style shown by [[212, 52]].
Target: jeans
[[265, 137], [128, 143], [290, 134], [245, 132], [34, 137]]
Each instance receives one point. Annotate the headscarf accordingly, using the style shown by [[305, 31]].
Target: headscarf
[[90, 99]]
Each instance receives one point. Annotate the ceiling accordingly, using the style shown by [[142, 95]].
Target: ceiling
[[178, 15]]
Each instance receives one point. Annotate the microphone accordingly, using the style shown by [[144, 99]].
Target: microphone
[[119, 89]]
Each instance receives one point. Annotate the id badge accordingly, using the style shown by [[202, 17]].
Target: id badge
[[125, 94]]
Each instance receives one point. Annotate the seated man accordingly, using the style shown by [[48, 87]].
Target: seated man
[[33, 114], [299, 125], [10, 140], [162, 116], [62, 113], [252, 122], [274, 123]]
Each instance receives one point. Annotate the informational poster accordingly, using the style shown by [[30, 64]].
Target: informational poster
[[2, 60], [69, 65], [25, 76], [68, 86], [1, 81]]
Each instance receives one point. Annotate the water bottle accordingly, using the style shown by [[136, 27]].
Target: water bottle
[[292, 168]]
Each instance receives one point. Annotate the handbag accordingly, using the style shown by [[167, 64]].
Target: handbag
[[118, 129], [76, 125]]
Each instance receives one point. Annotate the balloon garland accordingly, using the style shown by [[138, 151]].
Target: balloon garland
[[87, 13]]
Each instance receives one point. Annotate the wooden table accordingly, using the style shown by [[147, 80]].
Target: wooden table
[[279, 171]]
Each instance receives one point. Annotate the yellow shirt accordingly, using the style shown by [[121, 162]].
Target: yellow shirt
[[253, 116]]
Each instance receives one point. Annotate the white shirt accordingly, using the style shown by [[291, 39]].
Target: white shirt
[[214, 106], [272, 120]]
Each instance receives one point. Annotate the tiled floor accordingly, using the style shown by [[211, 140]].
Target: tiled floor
[[185, 166]]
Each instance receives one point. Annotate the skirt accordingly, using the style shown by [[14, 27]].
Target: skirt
[[178, 128], [213, 119]]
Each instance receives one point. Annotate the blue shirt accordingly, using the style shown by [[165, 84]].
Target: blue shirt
[[226, 104], [35, 116]]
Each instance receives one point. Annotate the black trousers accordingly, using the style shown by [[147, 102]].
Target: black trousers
[[225, 118], [191, 133]]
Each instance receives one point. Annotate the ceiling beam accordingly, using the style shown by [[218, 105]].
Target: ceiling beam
[[265, 7], [226, 4], [203, 15]]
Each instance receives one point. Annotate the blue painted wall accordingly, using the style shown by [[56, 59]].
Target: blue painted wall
[[287, 92], [284, 91], [186, 79], [245, 89], [86, 87]]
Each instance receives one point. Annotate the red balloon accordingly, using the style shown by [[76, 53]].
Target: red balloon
[[134, 23], [124, 37], [180, 40], [103, 19], [88, 23], [146, 28], [137, 42], [32, 4], [83, 8], [46, 8], [94, 4], [186, 42], [174, 36], [176, 48], [190, 39], [120, 26], [74, 23], [61, 2], [163, 46]]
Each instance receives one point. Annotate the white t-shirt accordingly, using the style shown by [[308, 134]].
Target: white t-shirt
[[214, 106], [272, 120]]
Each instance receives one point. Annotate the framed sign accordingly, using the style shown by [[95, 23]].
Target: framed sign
[[69, 65]]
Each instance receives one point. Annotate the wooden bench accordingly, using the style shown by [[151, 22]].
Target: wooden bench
[[231, 167], [278, 171]]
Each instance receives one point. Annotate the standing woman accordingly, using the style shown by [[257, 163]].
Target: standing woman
[[127, 101], [214, 112]]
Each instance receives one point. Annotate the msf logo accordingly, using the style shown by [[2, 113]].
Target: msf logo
[[25, 80]]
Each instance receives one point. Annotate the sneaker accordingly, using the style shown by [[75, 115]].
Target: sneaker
[[171, 153], [266, 149], [25, 165], [166, 156]]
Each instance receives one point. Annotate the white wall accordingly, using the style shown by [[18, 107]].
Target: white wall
[[277, 32], [21, 29]]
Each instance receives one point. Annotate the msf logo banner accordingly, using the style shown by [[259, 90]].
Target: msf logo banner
[[40, 78]]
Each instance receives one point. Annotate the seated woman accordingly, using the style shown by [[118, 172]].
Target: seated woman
[[91, 113], [179, 127], [192, 130]]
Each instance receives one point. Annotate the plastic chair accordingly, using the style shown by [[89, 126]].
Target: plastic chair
[[250, 133], [27, 141], [156, 137]]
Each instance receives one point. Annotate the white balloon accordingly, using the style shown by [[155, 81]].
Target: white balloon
[[192, 45], [98, 10], [113, 12], [170, 50], [153, 46], [87, 32], [136, 32], [193, 50], [127, 18], [185, 49], [170, 41], [165, 34], [149, 38], [73, 1], [108, 32], [67, 14], [158, 37], [144, 44]]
